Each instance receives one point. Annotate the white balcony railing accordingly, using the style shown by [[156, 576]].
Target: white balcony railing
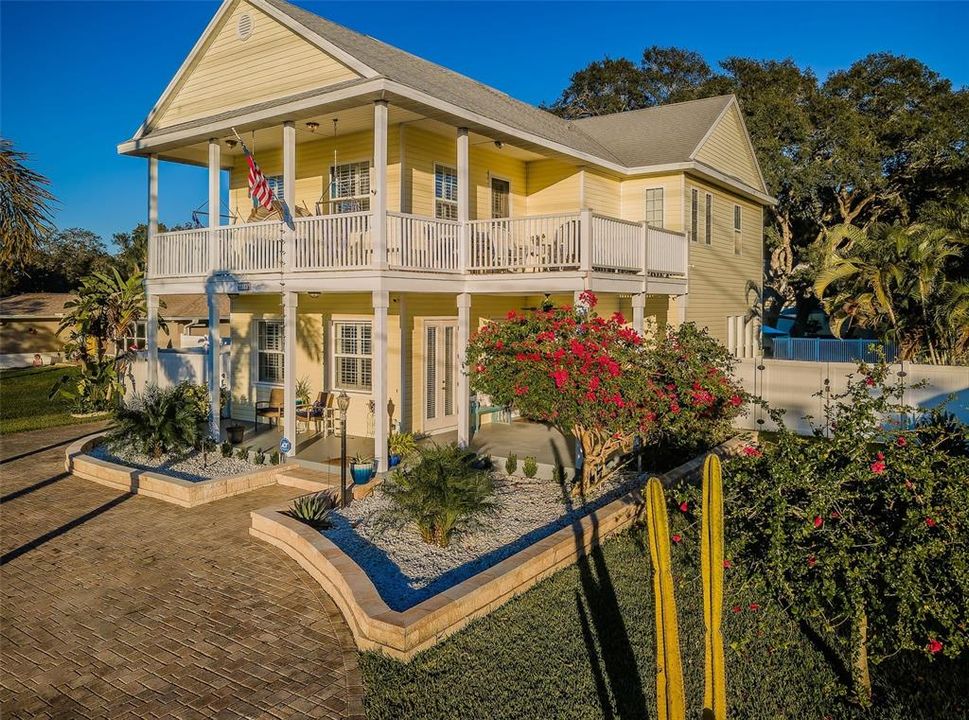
[[547, 243]]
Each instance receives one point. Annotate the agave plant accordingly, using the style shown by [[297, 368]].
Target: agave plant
[[442, 493], [162, 422], [314, 509]]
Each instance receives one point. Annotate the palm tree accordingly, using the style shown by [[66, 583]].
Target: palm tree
[[25, 215], [900, 282]]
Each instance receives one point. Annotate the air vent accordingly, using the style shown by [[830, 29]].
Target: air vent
[[244, 28]]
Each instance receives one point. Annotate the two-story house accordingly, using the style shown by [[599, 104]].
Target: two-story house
[[425, 204]]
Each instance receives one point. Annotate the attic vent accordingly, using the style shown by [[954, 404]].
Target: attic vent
[[244, 28]]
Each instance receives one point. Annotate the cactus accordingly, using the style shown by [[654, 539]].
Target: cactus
[[670, 702], [711, 562]]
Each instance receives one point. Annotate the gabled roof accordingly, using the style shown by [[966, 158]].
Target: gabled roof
[[50, 306], [656, 135]]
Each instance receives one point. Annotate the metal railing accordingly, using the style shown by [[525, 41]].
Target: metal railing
[[832, 350]]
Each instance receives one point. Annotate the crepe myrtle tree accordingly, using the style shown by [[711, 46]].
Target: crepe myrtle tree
[[599, 380]]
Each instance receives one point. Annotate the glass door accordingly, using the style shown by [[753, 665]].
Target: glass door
[[440, 375]]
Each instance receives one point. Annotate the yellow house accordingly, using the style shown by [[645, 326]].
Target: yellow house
[[426, 203]]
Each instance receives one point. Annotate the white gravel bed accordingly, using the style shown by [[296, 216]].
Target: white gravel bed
[[406, 570], [187, 467]]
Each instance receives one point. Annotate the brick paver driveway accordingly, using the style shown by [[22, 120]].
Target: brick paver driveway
[[117, 605]]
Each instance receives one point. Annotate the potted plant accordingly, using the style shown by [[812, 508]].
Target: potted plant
[[303, 391], [235, 433], [400, 445], [362, 469]]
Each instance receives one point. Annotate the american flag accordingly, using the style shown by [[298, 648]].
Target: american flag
[[260, 191]]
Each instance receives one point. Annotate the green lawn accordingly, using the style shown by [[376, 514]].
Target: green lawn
[[23, 399], [581, 645]]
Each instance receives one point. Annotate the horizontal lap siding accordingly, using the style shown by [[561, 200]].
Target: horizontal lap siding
[[633, 195], [231, 73], [602, 194], [727, 150], [552, 187], [718, 277]]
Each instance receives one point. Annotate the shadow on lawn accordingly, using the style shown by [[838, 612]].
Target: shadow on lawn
[[613, 664]]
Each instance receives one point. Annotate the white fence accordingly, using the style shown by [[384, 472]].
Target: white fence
[[174, 366], [539, 242], [617, 244], [666, 252], [790, 385]]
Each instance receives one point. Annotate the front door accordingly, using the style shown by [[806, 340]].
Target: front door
[[440, 375]]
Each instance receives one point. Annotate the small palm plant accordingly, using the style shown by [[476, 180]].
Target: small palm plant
[[314, 509], [442, 493], [161, 422]]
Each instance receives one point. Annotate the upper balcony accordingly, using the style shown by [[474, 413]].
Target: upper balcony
[[583, 242]]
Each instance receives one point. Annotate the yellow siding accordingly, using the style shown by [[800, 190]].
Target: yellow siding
[[727, 150], [602, 193], [633, 198], [313, 162], [231, 73], [718, 277], [552, 187]]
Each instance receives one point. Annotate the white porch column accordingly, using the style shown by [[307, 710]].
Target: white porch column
[[731, 335], [463, 390], [215, 360], [639, 307], [215, 171], [289, 191], [379, 204], [381, 302], [748, 337], [290, 301], [152, 332], [464, 200], [152, 212], [739, 333], [585, 242]]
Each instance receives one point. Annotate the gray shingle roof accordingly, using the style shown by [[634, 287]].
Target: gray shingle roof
[[50, 306], [656, 135]]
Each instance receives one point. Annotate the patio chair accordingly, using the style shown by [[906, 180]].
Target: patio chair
[[271, 409], [320, 413]]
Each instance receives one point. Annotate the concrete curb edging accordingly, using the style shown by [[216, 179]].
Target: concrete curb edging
[[160, 486], [402, 635]]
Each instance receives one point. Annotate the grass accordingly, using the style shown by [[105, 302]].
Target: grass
[[582, 645], [23, 400]]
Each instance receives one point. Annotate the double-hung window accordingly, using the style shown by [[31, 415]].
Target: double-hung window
[[269, 351], [708, 221], [350, 187], [737, 234], [694, 214], [445, 192], [275, 183], [352, 355], [136, 338], [654, 207]]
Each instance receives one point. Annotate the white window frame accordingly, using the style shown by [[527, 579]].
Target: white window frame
[[258, 351], [491, 195], [335, 381], [136, 335], [275, 183], [356, 202], [708, 220], [738, 224], [662, 206], [694, 214], [441, 202]]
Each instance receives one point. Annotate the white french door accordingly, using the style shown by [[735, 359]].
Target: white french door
[[440, 375]]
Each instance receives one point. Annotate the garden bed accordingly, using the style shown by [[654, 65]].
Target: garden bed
[[191, 466], [404, 633], [405, 570], [88, 461]]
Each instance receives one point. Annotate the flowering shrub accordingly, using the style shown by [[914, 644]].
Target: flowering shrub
[[862, 530], [599, 380]]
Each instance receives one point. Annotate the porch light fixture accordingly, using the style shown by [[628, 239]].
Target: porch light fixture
[[499, 144], [343, 403], [314, 295], [312, 126]]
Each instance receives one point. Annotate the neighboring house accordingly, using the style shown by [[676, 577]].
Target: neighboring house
[[426, 204], [29, 322]]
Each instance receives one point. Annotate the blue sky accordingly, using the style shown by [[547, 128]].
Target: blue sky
[[76, 78]]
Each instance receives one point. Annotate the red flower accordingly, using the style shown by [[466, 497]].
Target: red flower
[[684, 506], [676, 537], [499, 345], [818, 521], [930, 522], [736, 609], [754, 606], [869, 381], [751, 451], [479, 368], [560, 376], [901, 441], [736, 400], [511, 315], [812, 561], [934, 646], [878, 467], [587, 297], [674, 407], [617, 317], [521, 389], [727, 564]]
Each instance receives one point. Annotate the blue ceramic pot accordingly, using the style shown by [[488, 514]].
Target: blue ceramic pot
[[394, 460], [362, 474]]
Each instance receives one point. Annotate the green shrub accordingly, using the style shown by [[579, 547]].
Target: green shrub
[[442, 493], [274, 457], [403, 444], [226, 449], [243, 453], [314, 509], [260, 458], [861, 531], [530, 467], [160, 422], [511, 464]]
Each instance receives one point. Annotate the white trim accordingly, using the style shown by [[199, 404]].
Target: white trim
[[329, 360], [491, 195], [646, 190], [750, 145], [454, 203]]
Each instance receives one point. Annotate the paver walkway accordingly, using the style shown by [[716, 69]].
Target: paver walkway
[[118, 606]]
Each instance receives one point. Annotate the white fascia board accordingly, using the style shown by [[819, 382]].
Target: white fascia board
[[743, 126], [705, 171]]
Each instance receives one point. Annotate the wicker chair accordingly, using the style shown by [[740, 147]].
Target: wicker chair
[[272, 409], [320, 413]]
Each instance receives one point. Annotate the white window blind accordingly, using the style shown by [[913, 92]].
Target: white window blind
[[269, 336], [445, 192], [352, 355], [350, 187]]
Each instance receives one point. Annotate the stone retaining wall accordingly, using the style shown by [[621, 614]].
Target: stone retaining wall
[[160, 486], [404, 634]]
